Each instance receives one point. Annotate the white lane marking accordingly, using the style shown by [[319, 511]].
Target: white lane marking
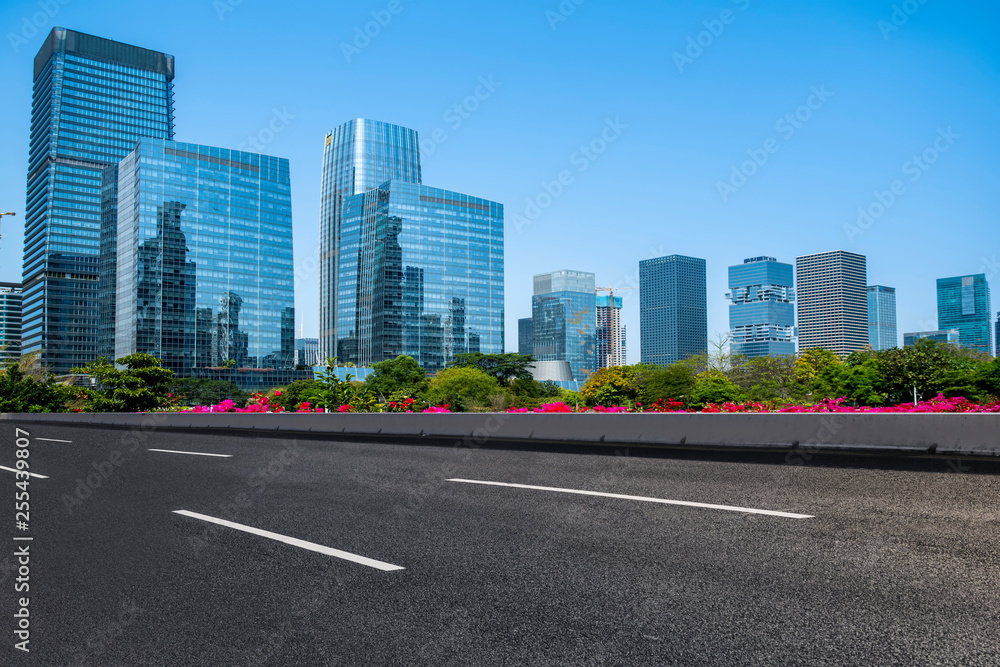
[[731, 508], [174, 451], [54, 440], [319, 548], [30, 473]]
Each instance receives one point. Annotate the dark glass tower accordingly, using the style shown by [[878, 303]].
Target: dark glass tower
[[93, 99], [359, 156], [964, 304], [673, 309]]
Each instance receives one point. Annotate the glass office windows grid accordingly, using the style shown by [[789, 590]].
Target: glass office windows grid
[[964, 304], [882, 333], [831, 293], [761, 312], [673, 309]]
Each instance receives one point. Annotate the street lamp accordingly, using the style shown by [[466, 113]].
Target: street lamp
[[1, 219]]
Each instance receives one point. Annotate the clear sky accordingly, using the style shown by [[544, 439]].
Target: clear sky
[[885, 85]]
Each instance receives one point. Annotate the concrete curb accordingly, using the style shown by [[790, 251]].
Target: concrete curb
[[961, 434]]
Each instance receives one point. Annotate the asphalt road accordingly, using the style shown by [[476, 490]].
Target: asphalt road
[[898, 564]]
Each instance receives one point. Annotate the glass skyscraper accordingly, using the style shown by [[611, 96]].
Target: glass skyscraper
[[10, 321], [762, 310], [882, 333], [92, 100], [950, 337], [420, 273], [359, 156], [525, 336], [204, 260], [673, 309], [831, 290], [964, 304], [564, 320], [610, 333]]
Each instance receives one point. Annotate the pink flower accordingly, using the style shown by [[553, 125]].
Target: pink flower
[[344, 408]]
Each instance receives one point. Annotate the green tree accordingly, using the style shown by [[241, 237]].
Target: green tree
[[617, 385], [23, 393], [295, 394], [503, 367], [765, 378], [655, 382], [402, 375], [142, 386], [462, 388], [713, 386]]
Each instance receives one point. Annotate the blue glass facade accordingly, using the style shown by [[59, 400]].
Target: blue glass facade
[[951, 337], [420, 272], [10, 321], [204, 261], [882, 333], [964, 304], [564, 320], [673, 309], [762, 308], [92, 100], [359, 156], [525, 336]]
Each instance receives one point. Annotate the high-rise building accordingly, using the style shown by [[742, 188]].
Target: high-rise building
[[10, 321], [359, 156], [307, 351], [762, 308], [882, 333], [950, 337], [831, 290], [204, 259], [564, 320], [610, 333], [673, 309], [92, 100], [996, 338], [525, 336], [964, 304], [420, 273]]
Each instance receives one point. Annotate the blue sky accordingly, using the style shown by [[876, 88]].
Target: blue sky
[[692, 90]]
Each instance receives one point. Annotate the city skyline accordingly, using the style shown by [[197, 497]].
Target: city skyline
[[812, 184]]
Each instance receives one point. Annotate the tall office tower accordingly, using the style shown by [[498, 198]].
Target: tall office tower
[[673, 309], [93, 99], [564, 320], [882, 333], [996, 338], [307, 351], [762, 312], [420, 273], [10, 321], [832, 301], [964, 304], [610, 333], [205, 274], [525, 336], [359, 156]]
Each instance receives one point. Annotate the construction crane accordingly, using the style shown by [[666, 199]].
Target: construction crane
[[611, 291], [1, 219]]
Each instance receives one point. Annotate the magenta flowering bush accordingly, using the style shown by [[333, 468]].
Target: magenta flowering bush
[[937, 404], [437, 408]]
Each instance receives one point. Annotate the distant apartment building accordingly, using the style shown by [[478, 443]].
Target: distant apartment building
[[92, 100], [950, 337], [204, 259], [964, 304], [882, 334], [563, 317], [525, 336], [610, 332], [673, 309], [10, 321], [831, 291], [762, 308]]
